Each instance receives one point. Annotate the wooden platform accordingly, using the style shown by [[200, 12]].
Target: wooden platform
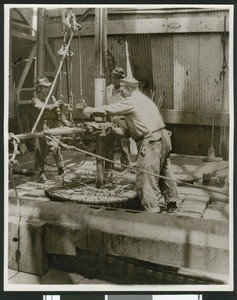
[[199, 232], [192, 202]]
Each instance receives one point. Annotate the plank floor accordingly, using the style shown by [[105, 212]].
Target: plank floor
[[192, 202]]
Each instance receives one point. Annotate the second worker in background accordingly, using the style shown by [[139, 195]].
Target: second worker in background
[[113, 96]]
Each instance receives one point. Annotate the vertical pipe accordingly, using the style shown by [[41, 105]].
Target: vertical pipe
[[40, 42], [129, 69], [100, 81], [100, 55]]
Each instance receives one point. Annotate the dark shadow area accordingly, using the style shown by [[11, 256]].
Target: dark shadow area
[[122, 270]]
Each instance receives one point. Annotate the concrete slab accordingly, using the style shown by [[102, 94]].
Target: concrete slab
[[192, 244], [26, 242], [162, 239]]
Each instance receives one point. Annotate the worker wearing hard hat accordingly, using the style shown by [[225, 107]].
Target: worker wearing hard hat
[[114, 95], [113, 90], [147, 128], [51, 118]]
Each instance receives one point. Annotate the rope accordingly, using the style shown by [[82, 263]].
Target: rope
[[13, 162], [134, 168], [53, 85], [18, 222], [222, 74], [80, 72], [70, 23]]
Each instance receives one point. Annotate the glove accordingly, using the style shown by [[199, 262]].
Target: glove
[[81, 105], [60, 103], [99, 111], [88, 111], [117, 131]]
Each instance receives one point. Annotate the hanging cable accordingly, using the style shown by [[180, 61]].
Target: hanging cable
[[70, 22], [12, 163], [222, 76], [69, 25], [60, 96], [70, 92], [80, 72], [53, 84]]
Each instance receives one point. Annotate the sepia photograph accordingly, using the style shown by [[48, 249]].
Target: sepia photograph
[[118, 149]]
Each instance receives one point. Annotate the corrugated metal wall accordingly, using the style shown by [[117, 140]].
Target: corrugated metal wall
[[139, 47], [116, 57], [116, 54], [162, 68], [88, 62], [198, 60], [185, 66]]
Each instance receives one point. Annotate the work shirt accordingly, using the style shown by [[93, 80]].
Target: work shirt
[[141, 114], [110, 97], [51, 114]]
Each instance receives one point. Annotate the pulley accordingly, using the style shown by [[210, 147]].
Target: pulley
[[63, 50], [69, 20]]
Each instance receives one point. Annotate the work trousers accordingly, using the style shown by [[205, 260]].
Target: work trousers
[[123, 144], [42, 148], [153, 157]]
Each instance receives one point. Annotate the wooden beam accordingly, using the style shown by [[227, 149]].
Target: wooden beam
[[27, 89], [48, 73], [143, 26], [23, 36], [26, 70], [52, 13], [24, 102], [40, 42], [22, 25], [26, 14], [194, 118], [51, 54]]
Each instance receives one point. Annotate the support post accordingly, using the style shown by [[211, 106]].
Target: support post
[[40, 42], [100, 81], [11, 107], [100, 55]]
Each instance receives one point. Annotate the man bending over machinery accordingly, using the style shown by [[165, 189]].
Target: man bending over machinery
[[147, 128]]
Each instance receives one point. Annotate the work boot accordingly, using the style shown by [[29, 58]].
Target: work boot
[[154, 210], [66, 178], [172, 207], [109, 165], [42, 177], [125, 160], [60, 170]]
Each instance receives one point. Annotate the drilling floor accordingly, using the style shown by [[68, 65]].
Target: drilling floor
[[193, 202]]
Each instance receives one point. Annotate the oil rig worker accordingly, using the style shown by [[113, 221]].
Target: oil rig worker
[[147, 128], [114, 95], [51, 118]]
